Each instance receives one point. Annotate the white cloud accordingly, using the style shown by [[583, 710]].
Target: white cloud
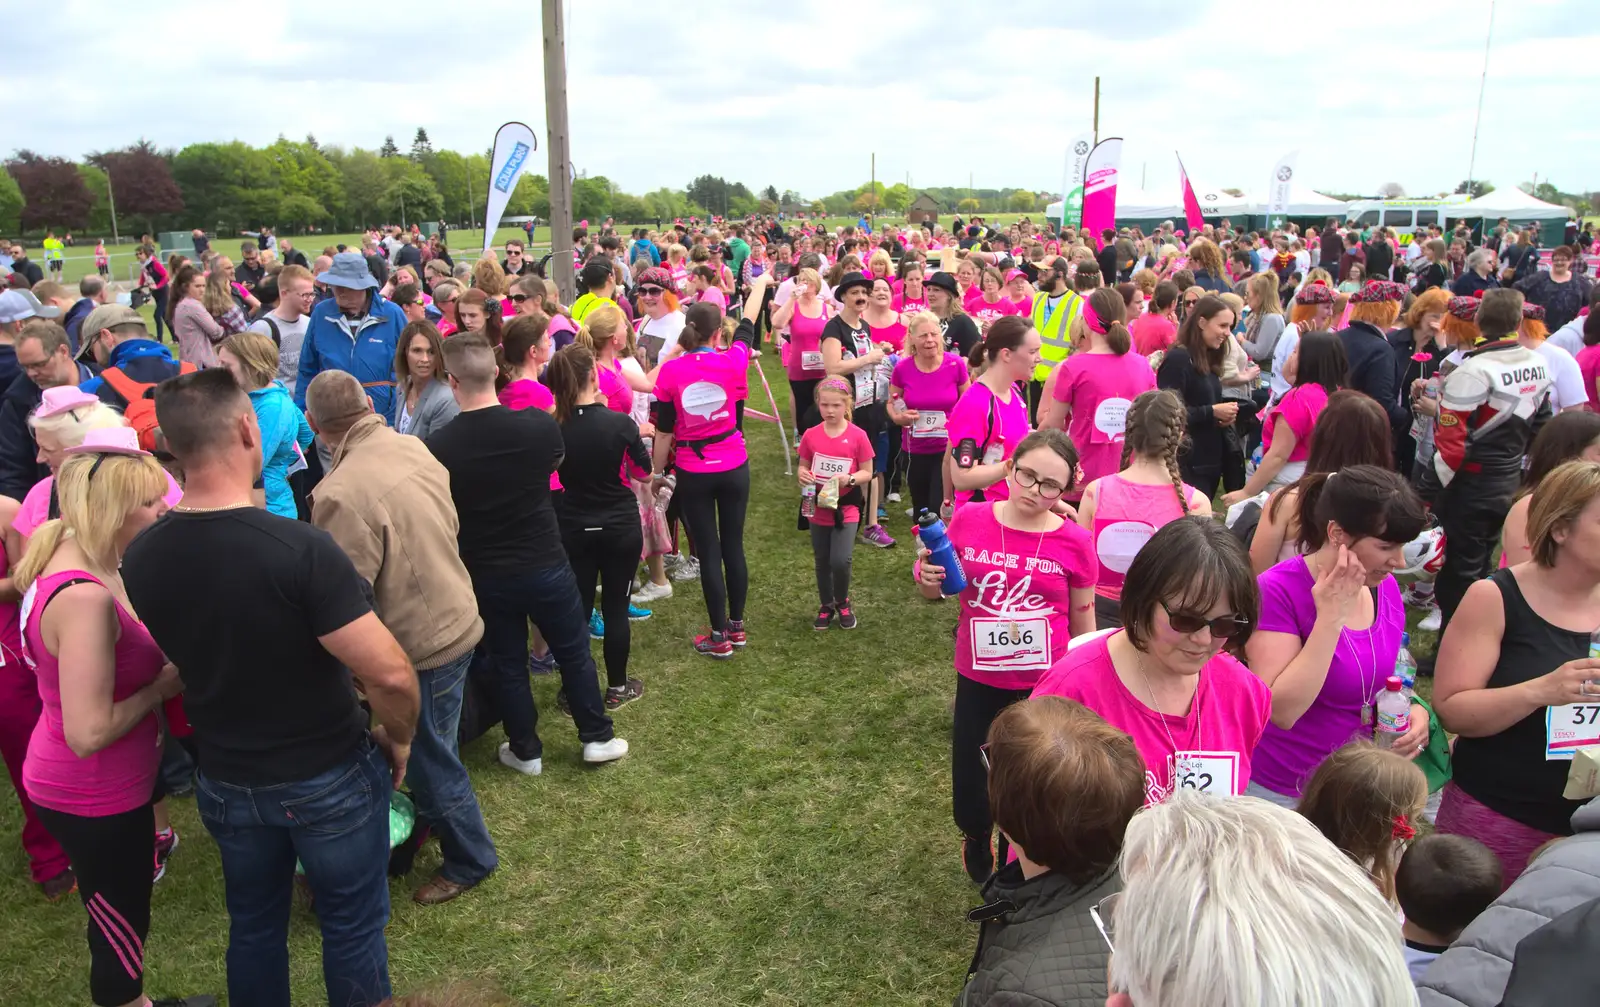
[[800, 97]]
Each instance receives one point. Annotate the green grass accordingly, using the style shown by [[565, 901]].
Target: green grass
[[779, 834]]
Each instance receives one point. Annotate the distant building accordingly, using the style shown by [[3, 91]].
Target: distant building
[[923, 210]]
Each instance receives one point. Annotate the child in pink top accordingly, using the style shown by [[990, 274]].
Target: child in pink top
[[839, 451]]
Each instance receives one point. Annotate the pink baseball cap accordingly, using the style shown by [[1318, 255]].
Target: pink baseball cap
[[1014, 274]]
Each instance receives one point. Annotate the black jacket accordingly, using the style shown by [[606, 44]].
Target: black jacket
[[1372, 367], [27, 267], [1038, 944], [1199, 393], [1380, 259]]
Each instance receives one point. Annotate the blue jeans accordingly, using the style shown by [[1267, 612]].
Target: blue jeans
[[439, 782], [337, 824], [549, 596]]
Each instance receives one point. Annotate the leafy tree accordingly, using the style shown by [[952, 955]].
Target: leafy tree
[[668, 204], [311, 141], [790, 198], [591, 199], [1474, 187], [365, 184], [770, 194], [1391, 190], [968, 205], [767, 206], [449, 173], [141, 182], [630, 209], [389, 149], [100, 188], [864, 203], [53, 192], [227, 185], [10, 204], [411, 195], [421, 147], [838, 204], [897, 198], [530, 198], [818, 206], [1021, 201], [298, 210]]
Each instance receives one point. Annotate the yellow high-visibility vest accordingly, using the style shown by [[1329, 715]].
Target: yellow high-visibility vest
[[1055, 334]]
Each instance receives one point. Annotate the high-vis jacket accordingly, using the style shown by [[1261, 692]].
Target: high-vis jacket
[[1055, 329]]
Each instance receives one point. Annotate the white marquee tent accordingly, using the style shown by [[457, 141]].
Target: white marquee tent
[[1510, 202]]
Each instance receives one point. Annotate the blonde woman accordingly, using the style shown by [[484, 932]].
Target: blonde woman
[[678, 268], [1266, 321], [92, 764], [285, 435], [488, 277], [63, 418], [563, 330]]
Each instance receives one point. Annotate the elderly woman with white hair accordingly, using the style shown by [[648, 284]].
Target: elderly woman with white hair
[[1478, 276], [1234, 901]]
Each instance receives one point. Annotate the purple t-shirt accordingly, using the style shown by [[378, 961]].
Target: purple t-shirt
[[933, 395], [1362, 660]]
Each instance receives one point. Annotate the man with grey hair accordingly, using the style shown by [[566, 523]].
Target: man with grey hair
[[1228, 902], [386, 502], [93, 291]]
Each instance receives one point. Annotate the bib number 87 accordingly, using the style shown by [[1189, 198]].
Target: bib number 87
[[1003, 638]]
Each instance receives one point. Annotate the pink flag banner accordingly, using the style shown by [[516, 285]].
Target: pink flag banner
[[1191, 205], [1100, 186]]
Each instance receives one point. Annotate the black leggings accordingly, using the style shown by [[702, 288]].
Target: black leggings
[[113, 857], [804, 393], [607, 557], [925, 478], [714, 505], [976, 707], [159, 296]]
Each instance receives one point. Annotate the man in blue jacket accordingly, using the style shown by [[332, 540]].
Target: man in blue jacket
[[354, 331], [115, 336]]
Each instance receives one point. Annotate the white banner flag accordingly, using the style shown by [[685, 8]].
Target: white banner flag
[[1278, 190], [1072, 181], [513, 145]]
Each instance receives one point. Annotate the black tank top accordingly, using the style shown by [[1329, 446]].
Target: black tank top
[[1508, 771]]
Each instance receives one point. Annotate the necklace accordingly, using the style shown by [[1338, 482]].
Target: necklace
[[212, 510], [1034, 565], [1369, 684], [1199, 734]]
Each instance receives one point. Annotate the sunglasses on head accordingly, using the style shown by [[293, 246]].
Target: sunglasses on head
[[1222, 627]]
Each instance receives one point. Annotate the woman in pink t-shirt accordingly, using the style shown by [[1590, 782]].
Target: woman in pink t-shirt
[[991, 304], [93, 758], [1030, 588], [523, 352], [923, 390], [805, 314], [881, 318], [1125, 509], [697, 430], [1315, 369], [909, 295], [1094, 387], [623, 381], [1195, 713], [992, 419]]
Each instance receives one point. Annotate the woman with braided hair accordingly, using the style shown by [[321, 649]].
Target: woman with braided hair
[[1123, 510]]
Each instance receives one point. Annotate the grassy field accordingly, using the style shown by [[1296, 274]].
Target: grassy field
[[779, 834]]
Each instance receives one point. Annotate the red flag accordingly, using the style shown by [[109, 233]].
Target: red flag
[[1191, 205]]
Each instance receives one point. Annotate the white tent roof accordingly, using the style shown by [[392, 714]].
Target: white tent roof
[[1134, 203], [1303, 202], [1510, 202]]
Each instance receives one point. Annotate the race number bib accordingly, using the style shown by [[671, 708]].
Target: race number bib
[[1214, 773], [811, 360], [866, 389], [828, 466], [994, 454], [1569, 728], [929, 423], [1011, 644]]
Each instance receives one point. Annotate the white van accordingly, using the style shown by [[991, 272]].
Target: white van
[[1402, 216]]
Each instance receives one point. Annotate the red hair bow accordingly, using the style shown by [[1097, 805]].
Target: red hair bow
[[1402, 828]]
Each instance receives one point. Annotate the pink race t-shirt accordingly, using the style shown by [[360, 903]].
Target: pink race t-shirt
[[994, 426], [1099, 388], [35, 509], [986, 312], [903, 303], [894, 334], [703, 386], [714, 295], [1152, 333], [1015, 610], [1589, 367], [933, 394], [1126, 516], [1219, 734], [844, 455], [804, 362], [1299, 409], [615, 388]]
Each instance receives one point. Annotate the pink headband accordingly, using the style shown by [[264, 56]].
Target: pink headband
[[1091, 319]]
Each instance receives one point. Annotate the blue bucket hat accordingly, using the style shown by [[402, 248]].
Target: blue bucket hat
[[349, 270]]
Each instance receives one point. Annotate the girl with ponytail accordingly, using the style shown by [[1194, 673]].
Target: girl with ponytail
[[1094, 387], [1125, 509], [606, 334], [991, 419]]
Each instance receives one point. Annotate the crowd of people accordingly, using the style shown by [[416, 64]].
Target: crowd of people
[[1193, 665]]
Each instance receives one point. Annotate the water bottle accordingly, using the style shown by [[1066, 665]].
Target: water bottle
[[1394, 713], [1405, 666], [664, 495], [808, 501], [942, 552]]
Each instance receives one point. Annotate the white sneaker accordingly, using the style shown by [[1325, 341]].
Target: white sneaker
[[894, 498], [688, 568], [530, 767], [1430, 623], [604, 751], [652, 592]]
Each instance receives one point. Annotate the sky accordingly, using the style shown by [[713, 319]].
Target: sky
[[801, 95]]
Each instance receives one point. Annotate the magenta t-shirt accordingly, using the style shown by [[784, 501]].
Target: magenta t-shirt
[[894, 333], [994, 426], [615, 387], [1362, 660], [985, 312], [714, 295], [1100, 387], [1300, 409], [1231, 709], [933, 394], [1126, 516], [703, 386], [825, 456], [1015, 610], [119, 777], [1152, 333], [526, 393], [903, 303], [1589, 367], [804, 362], [35, 509]]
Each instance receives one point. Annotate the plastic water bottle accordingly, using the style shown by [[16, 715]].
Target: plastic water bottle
[[1405, 666], [942, 552], [1394, 713], [808, 501]]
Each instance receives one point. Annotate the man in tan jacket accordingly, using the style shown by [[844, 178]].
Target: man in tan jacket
[[386, 501]]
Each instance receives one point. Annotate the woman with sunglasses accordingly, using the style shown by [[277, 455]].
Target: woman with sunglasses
[[1195, 713], [660, 318], [1030, 589], [1330, 626]]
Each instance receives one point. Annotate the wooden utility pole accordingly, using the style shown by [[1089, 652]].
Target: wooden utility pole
[[872, 187], [555, 111], [1097, 110]]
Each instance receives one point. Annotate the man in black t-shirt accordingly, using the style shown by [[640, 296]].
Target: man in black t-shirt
[[500, 462], [268, 621]]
